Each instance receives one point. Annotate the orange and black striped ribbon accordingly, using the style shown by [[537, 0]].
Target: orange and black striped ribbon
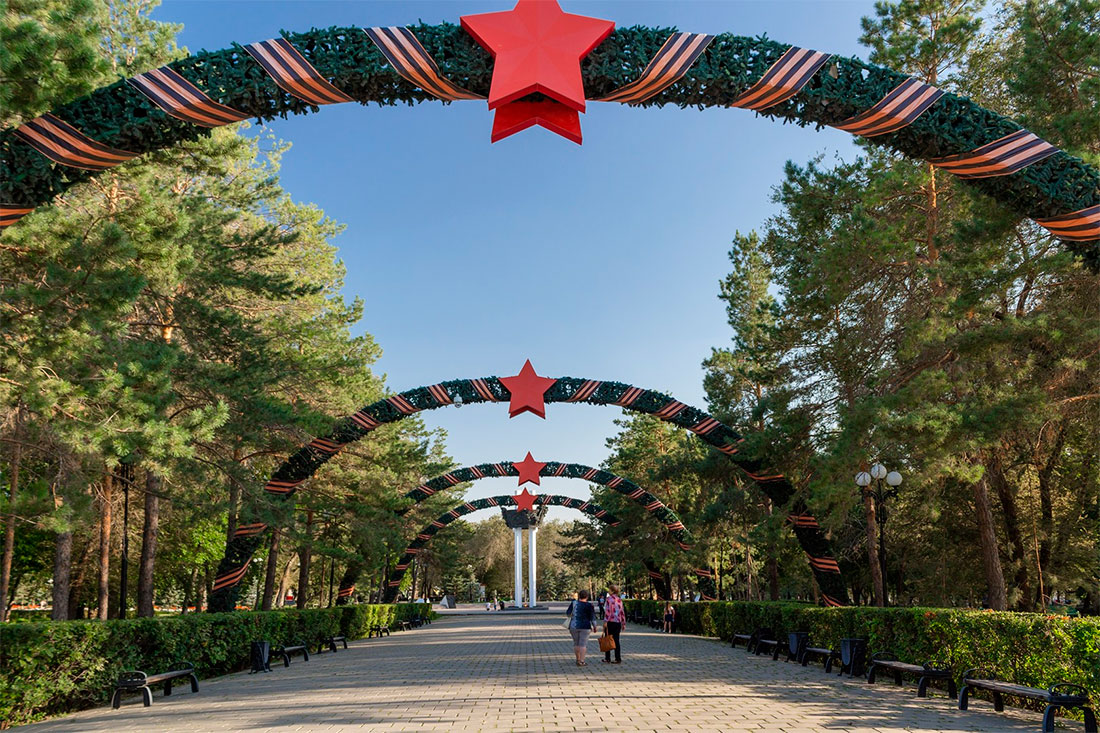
[[783, 80], [824, 564], [62, 143], [678, 54], [290, 70], [183, 100], [408, 58], [803, 520], [345, 592], [1079, 226], [230, 578], [830, 601], [1001, 157], [9, 214], [905, 103]]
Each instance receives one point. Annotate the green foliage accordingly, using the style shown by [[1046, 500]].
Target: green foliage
[[48, 55], [1028, 648], [58, 667]]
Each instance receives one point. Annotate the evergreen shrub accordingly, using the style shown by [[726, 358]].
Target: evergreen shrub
[[61, 666], [1032, 649]]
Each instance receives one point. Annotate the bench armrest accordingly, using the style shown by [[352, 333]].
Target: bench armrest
[[1065, 689], [974, 673], [132, 676], [937, 665], [185, 665], [883, 657]]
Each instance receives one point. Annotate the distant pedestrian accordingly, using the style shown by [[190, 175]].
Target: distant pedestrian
[[670, 617], [600, 602], [582, 622], [613, 623]]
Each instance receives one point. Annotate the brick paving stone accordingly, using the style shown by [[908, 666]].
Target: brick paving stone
[[508, 672]]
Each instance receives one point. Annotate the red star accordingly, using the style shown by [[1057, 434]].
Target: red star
[[529, 470], [525, 501], [537, 48], [554, 116], [527, 390]]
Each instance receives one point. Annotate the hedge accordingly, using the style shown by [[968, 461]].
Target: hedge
[[1028, 648], [59, 667]]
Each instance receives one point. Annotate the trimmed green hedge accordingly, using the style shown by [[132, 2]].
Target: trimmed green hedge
[[58, 667], [1027, 648]]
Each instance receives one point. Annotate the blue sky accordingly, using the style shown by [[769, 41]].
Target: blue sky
[[598, 261]]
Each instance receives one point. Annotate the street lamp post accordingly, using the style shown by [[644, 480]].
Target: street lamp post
[[879, 484]]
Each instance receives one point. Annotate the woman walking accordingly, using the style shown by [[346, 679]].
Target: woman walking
[[613, 623], [582, 622], [670, 617]]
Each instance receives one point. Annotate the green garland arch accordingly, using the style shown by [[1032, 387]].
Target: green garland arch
[[393, 582], [122, 117], [300, 466], [553, 469]]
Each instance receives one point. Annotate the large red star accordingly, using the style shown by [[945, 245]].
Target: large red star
[[525, 501], [554, 116], [529, 470], [527, 390], [537, 48]]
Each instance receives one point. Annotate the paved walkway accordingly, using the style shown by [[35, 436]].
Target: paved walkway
[[499, 672]]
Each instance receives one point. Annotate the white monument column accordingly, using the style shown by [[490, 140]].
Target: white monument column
[[532, 568], [518, 597]]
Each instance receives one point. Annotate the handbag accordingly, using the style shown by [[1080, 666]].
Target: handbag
[[566, 624], [607, 643]]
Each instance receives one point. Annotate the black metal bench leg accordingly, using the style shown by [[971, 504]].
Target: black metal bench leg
[[1048, 718], [922, 686], [194, 682], [305, 654], [1090, 720], [147, 696], [286, 660], [775, 654], [116, 699], [897, 679], [828, 665], [168, 688], [870, 673], [964, 697], [951, 687], [998, 701]]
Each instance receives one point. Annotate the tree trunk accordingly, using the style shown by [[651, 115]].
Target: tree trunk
[[234, 499], [1046, 511], [872, 551], [272, 570], [773, 576], [284, 582], [991, 556], [104, 599], [79, 578], [9, 529], [62, 573], [1012, 529], [305, 555], [148, 544]]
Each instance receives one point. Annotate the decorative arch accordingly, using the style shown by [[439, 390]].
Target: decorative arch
[[425, 535], [299, 72], [300, 466], [554, 469]]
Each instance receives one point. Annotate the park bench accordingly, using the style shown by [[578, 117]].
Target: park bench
[[378, 629], [1061, 695], [286, 651], [133, 681], [751, 639], [405, 625], [925, 672], [417, 622], [799, 650], [770, 642], [655, 621], [331, 643]]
